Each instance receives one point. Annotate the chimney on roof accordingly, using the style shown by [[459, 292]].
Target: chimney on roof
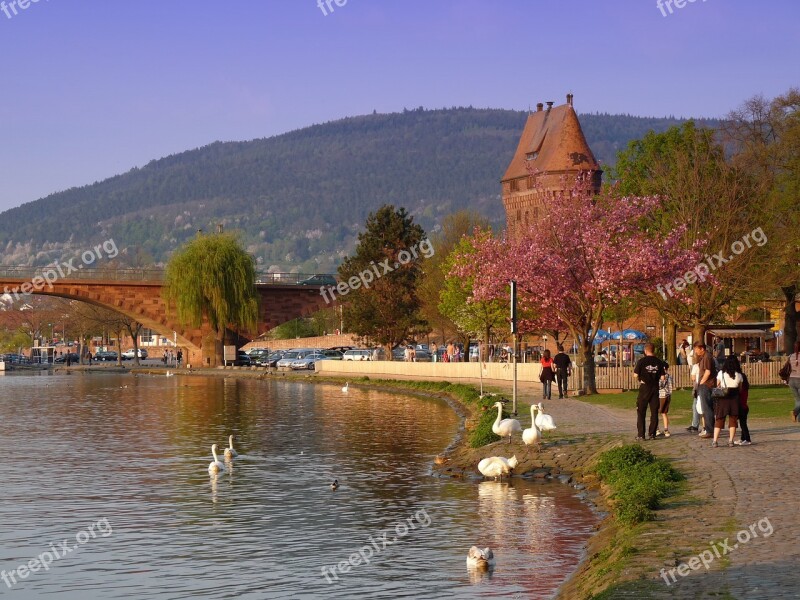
[[550, 105], [569, 99], [539, 107]]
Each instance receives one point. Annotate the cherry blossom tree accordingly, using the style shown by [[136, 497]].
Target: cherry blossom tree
[[589, 252]]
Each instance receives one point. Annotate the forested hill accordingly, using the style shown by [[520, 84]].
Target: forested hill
[[300, 198]]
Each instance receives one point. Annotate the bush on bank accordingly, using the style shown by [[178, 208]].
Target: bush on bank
[[638, 481]]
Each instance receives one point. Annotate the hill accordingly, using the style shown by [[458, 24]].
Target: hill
[[300, 198]]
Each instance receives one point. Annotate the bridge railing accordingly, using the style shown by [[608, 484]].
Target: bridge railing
[[132, 274]]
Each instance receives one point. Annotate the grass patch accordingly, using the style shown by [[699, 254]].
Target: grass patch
[[638, 481], [771, 401]]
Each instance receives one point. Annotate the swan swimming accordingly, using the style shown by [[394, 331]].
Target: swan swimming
[[335, 484], [480, 559], [532, 436], [170, 374], [215, 466], [346, 387], [505, 427], [543, 421], [229, 451], [497, 466]]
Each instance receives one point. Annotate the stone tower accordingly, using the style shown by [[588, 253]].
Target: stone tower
[[552, 151]]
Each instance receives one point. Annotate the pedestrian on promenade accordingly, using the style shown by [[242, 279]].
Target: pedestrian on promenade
[[744, 409], [694, 375], [179, 358], [794, 380], [649, 370], [705, 383], [451, 350], [547, 375], [682, 359], [665, 387], [491, 352], [728, 405], [563, 365], [434, 352]]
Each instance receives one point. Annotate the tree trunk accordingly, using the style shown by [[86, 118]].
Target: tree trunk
[[219, 347], [789, 319], [589, 381], [698, 333], [671, 341]]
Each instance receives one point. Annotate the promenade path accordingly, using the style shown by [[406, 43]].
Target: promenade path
[[730, 490]]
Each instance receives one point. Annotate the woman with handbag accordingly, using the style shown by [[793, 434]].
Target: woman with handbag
[[727, 405], [794, 379]]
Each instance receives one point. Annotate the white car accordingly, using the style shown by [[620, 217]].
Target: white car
[[358, 354], [128, 354]]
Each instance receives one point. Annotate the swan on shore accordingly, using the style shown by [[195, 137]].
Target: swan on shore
[[478, 558], [346, 387], [215, 466], [505, 427], [229, 451], [497, 466], [532, 436], [543, 421]]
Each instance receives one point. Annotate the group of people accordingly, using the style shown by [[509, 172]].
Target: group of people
[[719, 395], [558, 369], [172, 358], [453, 352]]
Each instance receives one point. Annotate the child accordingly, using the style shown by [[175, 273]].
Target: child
[[664, 397]]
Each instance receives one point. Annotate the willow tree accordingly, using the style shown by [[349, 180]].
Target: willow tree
[[213, 278]]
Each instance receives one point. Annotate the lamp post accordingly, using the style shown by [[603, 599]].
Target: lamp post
[[514, 349]]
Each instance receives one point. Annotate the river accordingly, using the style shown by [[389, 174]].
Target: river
[[116, 466]]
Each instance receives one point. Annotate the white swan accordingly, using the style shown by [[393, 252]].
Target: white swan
[[505, 427], [532, 436], [229, 451], [497, 466], [215, 466], [480, 559], [346, 387], [170, 374], [543, 421]]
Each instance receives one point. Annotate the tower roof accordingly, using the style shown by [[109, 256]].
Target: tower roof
[[552, 141]]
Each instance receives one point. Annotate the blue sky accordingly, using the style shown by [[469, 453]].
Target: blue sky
[[91, 88]]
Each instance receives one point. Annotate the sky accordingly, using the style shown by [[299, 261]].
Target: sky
[[93, 88]]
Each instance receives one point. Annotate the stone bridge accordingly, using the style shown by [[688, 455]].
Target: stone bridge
[[136, 293]]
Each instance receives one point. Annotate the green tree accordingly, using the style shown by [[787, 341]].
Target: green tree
[[385, 310], [479, 318], [213, 278]]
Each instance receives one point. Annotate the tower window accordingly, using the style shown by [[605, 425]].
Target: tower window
[[513, 186]]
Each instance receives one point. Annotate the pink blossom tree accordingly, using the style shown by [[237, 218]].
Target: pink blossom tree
[[589, 252]]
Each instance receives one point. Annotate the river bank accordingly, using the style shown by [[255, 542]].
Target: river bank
[[724, 495]]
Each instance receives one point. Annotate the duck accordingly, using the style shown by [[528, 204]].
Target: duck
[[215, 466], [497, 466], [229, 451], [478, 558], [544, 422], [505, 427], [335, 484], [532, 436], [346, 387]]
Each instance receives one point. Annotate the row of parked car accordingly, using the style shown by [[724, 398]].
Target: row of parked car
[[306, 358]]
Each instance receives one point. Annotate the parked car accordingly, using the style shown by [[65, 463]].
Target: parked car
[[242, 359], [319, 280], [358, 354], [290, 357], [308, 361], [105, 356], [399, 353], [273, 358], [15, 359], [333, 354], [73, 358], [128, 354]]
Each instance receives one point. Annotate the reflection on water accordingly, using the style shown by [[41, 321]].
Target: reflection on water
[[135, 450]]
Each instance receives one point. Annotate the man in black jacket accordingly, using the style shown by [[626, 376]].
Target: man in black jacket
[[649, 370], [563, 364]]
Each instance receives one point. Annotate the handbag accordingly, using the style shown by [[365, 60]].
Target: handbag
[[699, 406], [786, 370], [720, 392]]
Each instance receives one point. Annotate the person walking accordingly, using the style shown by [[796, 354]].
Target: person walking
[[794, 380], [547, 375], [682, 359], [649, 369], [744, 409], [707, 378], [665, 387], [434, 352], [727, 406], [694, 375], [563, 365]]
